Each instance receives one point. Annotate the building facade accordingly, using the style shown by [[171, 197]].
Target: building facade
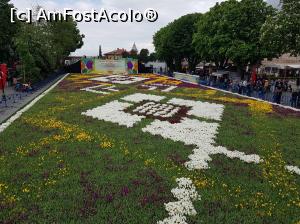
[[120, 53], [116, 54], [284, 66]]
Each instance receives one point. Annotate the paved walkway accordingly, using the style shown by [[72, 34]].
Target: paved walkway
[[16, 100]]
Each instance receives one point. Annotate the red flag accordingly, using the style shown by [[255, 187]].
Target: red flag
[[254, 75], [3, 75]]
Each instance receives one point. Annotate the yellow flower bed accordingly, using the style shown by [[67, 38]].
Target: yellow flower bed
[[255, 105], [6, 198], [160, 79]]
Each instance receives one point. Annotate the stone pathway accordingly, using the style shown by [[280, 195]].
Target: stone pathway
[[17, 100]]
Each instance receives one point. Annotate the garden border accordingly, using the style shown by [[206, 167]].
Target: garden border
[[236, 94], [15, 116]]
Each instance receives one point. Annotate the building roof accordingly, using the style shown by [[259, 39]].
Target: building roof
[[134, 48], [73, 57], [118, 51]]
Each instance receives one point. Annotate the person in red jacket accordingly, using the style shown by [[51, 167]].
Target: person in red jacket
[[2, 81], [3, 77], [2, 85]]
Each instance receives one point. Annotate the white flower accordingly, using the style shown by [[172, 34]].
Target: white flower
[[201, 109], [189, 131], [169, 89], [185, 193], [139, 97], [175, 219], [293, 169], [119, 79], [103, 88], [200, 134], [114, 112], [181, 207], [154, 86]]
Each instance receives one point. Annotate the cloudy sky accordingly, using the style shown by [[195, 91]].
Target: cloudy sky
[[122, 35]]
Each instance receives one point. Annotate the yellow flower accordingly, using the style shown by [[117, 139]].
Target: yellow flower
[[106, 145], [26, 190], [50, 182], [163, 80], [258, 106], [82, 136], [126, 152], [11, 199], [201, 183], [210, 92], [3, 187], [149, 162]]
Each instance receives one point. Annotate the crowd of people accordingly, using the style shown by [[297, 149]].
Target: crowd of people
[[276, 91], [22, 87]]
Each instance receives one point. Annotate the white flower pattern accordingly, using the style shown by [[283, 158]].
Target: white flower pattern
[[163, 87], [140, 97], [101, 89], [113, 112], [185, 193], [119, 79], [189, 131], [201, 109]]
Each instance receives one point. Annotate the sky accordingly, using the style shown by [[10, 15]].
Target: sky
[[122, 35]]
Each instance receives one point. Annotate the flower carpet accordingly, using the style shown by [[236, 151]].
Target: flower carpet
[[149, 149]]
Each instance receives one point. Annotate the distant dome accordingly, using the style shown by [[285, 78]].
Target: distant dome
[[134, 48]]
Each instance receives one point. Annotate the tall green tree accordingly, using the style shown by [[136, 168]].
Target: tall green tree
[[163, 48], [144, 55], [182, 31], [173, 43], [231, 31], [42, 46], [153, 57], [35, 49], [65, 37], [8, 31], [281, 32]]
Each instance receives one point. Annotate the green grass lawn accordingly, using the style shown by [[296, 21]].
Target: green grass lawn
[[59, 166]]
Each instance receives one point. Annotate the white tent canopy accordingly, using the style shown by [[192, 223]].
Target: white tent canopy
[[283, 66]]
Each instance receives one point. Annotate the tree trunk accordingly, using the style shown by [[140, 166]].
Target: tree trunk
[[241, 72], [178, 66]]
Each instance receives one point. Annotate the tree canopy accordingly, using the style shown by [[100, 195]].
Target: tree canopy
[[41, 47], [7, 31], [281, 32], [173, 43], [162, 47], [144, 55], [231, 31]]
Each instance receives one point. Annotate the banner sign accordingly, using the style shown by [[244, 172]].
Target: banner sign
[[110, 66], [132, 66], [99, 66], [87, 65]]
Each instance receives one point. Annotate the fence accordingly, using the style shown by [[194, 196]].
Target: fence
[[286, 98]]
